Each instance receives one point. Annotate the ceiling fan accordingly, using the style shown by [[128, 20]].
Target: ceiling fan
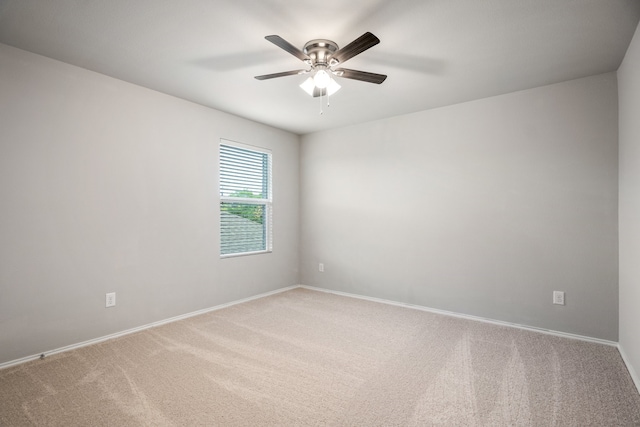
[[322, 56]]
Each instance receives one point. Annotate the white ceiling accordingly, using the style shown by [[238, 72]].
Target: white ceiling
[[435, 52]]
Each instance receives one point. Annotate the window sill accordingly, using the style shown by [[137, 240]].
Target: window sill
[[245, 254]]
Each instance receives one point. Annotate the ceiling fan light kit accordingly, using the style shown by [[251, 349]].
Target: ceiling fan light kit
[[322, 56], [321, 79], [311, 87]]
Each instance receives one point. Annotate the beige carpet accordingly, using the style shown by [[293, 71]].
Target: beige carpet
[[309, 358]]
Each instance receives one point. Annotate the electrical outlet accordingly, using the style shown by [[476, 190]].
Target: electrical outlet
[[558, 297], [111, 299], [321, 268]]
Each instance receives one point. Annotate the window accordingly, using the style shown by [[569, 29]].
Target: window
[[245, 199]]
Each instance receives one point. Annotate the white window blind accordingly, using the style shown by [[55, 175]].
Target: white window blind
[[245, 199]]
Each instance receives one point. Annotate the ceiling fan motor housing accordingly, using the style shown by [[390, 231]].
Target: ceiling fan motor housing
[[320, 52]]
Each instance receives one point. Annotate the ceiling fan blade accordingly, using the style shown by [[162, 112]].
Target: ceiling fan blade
[[283, 44], [282, 74], [360, 75], [357, 46]]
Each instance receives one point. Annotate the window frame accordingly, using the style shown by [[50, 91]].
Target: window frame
[[266, 202]]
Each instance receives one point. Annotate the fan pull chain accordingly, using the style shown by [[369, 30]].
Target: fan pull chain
[[328, 103]]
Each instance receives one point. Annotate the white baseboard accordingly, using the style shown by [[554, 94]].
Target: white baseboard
[[141, 328], [632, 372], [467, 316]]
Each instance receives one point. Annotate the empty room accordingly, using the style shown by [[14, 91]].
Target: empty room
[[292, 213]]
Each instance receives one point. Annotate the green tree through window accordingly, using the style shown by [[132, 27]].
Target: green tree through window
[[252, 212]]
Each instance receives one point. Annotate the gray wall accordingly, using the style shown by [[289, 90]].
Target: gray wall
[[482, 208], [106, 186], [629, 104]]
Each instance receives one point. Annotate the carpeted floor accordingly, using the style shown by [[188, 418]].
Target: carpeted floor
[[310, 358]]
